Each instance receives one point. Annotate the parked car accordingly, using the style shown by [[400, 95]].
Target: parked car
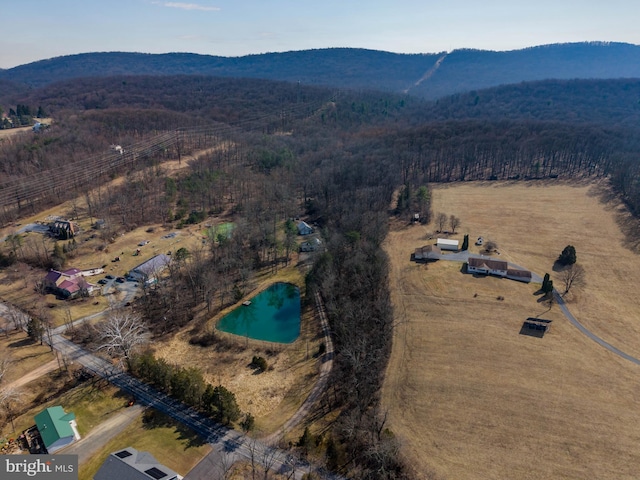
[[109, 277], [120, 279], [103, 281]]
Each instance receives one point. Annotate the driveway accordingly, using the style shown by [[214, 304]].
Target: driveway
[[464, 256], [95, 440]]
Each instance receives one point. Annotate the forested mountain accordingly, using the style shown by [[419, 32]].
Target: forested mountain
[[465, 70], [611, 102], [426, 75], [284, 150], [340, 67]]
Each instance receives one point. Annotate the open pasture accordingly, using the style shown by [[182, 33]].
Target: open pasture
[[469, 397]]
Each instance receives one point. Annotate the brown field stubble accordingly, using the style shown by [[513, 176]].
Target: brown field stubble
[[471, 398]]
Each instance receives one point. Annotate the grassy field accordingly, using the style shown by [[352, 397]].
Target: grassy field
[[170, 443], [469, 397], [272, 396]]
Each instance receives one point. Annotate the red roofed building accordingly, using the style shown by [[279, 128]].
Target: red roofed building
[[67, 284]]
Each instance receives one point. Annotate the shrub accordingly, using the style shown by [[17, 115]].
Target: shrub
[[568, 256], [260, 364]]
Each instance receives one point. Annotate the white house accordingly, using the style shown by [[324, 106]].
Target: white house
[[304, 228], [487, 266], [491, 266], [446, 244]]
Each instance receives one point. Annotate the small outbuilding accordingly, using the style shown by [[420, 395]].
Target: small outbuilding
[[428, 252], [304, 228], [446, 244], [535, 327], [57, 428]]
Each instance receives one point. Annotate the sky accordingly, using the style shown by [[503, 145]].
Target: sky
[[40, 29]]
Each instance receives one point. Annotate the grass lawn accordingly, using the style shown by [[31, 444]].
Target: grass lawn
[[24, 355], [91, 402], [468, 396], [172, 444]]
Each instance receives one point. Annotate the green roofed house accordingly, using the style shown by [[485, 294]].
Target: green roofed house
[[57, 428]]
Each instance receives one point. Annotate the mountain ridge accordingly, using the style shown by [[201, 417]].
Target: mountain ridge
[[427, 75]]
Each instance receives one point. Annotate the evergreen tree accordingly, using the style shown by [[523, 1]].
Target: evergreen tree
[[35, 329], [568, 256], [465, 242]]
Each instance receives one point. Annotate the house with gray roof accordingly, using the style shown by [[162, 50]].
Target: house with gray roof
[[130, 464], [149, 271]]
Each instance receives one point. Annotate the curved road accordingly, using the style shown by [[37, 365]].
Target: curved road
[[463, 257]]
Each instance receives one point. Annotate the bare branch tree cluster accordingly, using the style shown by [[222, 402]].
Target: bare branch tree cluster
[[123, 333]]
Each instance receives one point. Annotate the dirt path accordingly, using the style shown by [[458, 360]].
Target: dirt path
[[318, 388], [33, 374]]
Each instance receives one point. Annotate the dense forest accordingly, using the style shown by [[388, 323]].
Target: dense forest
[[286, 150], [431, 76]]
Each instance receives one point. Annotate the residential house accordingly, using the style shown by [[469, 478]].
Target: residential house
[[57, 428], [310, 246], [491, 266], [67, 284], [130, 464], [304, 228], [63, 229], [487, 266], [149, 271]]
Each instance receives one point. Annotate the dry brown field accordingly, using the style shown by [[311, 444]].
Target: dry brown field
[[469, 396]]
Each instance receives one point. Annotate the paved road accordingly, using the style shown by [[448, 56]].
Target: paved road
[[220, 438]]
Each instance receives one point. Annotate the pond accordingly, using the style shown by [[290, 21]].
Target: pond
[[273, 315]]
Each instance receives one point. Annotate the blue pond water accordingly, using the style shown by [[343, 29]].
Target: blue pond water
[[273, 316]]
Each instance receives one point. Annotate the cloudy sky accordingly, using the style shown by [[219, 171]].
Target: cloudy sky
[[39, 29]]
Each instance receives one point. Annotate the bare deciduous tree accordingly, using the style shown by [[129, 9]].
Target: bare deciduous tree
[[5, 363], [9, 396], [572, 275], [122, 334], [441, 220], [454, 222]]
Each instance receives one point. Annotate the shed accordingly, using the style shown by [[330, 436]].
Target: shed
[[428, 252], [304, 228], [57, 428], [446, 244], [538, 325], [131, 464]]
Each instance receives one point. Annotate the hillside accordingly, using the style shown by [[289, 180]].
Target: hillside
[[465, 70], [459, 71]]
